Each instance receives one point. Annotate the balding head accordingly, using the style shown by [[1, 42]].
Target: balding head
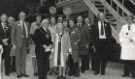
[[101, 16], [79, 19]]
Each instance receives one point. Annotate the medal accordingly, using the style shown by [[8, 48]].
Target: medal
[[127, 33]]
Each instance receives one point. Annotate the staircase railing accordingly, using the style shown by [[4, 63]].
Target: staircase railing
[[128, 4], [132, 1], [113, 11], [96, 11], [91, 6], [60, 1], [123, 8]]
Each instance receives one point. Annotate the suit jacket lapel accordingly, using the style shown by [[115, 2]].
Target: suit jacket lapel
[[42, 30], [2, 28]]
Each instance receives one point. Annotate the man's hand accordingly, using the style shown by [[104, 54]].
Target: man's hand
[[75, 43], [14, 46], [5, 41], [47, 48], [94, 49], [70, 51], [131, 40], [44, 46], [87, 46]]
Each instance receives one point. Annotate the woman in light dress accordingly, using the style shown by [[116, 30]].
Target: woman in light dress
[[52, 28]]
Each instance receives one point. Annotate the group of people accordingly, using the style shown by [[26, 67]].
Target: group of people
[[61, 45], [14, 40]]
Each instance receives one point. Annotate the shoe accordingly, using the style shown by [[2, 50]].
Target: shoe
[[125, 75], [102, 73], [92, 69], [19, 76], [64, 77], [35, 74], [96, 73], [7, 74], [59, 77], [25, 75], [82, 71], [77, 74], [133, 76]]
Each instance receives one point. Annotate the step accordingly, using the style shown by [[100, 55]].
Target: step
[[101, 10], [97, 1], [99, 6], [109, 14]]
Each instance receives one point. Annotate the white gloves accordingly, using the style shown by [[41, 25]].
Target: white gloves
[[5, 41]]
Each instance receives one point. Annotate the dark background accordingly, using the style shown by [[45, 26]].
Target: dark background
[[13, 7]]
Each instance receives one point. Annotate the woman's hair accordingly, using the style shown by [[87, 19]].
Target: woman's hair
[[44, 21]]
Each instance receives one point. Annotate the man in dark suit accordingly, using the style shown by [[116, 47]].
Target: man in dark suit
[[88, 26], [101, 39], [83, 44], [5, 40]]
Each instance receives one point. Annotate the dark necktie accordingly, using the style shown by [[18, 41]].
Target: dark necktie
[[102, 28], [24, 30], [129, 27], [59, 50]]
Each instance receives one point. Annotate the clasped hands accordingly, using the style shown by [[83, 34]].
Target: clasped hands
[[47, 48], [5, 41]]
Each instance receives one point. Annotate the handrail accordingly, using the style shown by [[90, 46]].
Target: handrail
[[114, 13], [115, 34], [124, 9], [96, 11], [116, 7], [91, 6], [133, 2], [59, 3]]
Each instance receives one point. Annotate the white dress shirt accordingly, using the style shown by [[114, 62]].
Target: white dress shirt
[[99, 27], [4, 26], [25, 28]]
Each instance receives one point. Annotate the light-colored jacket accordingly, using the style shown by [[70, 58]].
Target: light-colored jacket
[[127, 46], [65, 47], [18, 37]]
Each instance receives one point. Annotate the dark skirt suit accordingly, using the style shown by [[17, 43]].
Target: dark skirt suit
[[74, 37], [84, 48], [42, 37]]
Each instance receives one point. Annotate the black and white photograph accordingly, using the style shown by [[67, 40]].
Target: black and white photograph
[[67, 39]]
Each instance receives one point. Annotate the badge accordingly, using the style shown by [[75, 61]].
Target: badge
[[127, 33]]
